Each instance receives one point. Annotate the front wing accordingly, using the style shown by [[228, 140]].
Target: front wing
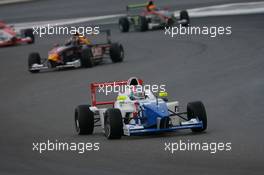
[[72, 64], [15, 42], [139, 130]]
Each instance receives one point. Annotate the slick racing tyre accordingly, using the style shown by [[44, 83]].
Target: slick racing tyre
[[123, 24], [197, 110], [84, 120], [29, 33], [87, 58], [33, 58], [116, 52], [113, 124], [184, 15], [143, 23]]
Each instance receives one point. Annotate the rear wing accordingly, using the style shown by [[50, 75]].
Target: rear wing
[[136, 6], [95, 86]]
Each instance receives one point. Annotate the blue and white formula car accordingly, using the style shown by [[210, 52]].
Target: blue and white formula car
[[137, 112]]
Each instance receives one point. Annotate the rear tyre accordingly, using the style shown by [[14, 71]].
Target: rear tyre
[[29, 33], [84, 120], [117, 52], [123, 24], [33, 58], [197, 110], [113, 124], [143, 22], [86, 58], [184, 15]]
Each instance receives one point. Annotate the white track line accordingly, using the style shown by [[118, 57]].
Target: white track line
[[61, 22], [216, 10], [228, 9], [3, 2]]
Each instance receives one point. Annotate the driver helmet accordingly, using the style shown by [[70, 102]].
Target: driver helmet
[[134, 81], [151, 6]]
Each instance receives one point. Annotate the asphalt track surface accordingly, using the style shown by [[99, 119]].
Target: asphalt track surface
[[226, 73], [59, 9]]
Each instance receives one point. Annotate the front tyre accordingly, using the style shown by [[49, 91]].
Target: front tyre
[[123, 24], [33, 58], [86, 57], [113, 124], [197, 110], [184, 16], [29, 33], [117, 52], [143, 23], [84, 120]]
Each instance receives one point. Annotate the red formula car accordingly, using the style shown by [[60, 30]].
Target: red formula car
[[140, 18], [9, 36]]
